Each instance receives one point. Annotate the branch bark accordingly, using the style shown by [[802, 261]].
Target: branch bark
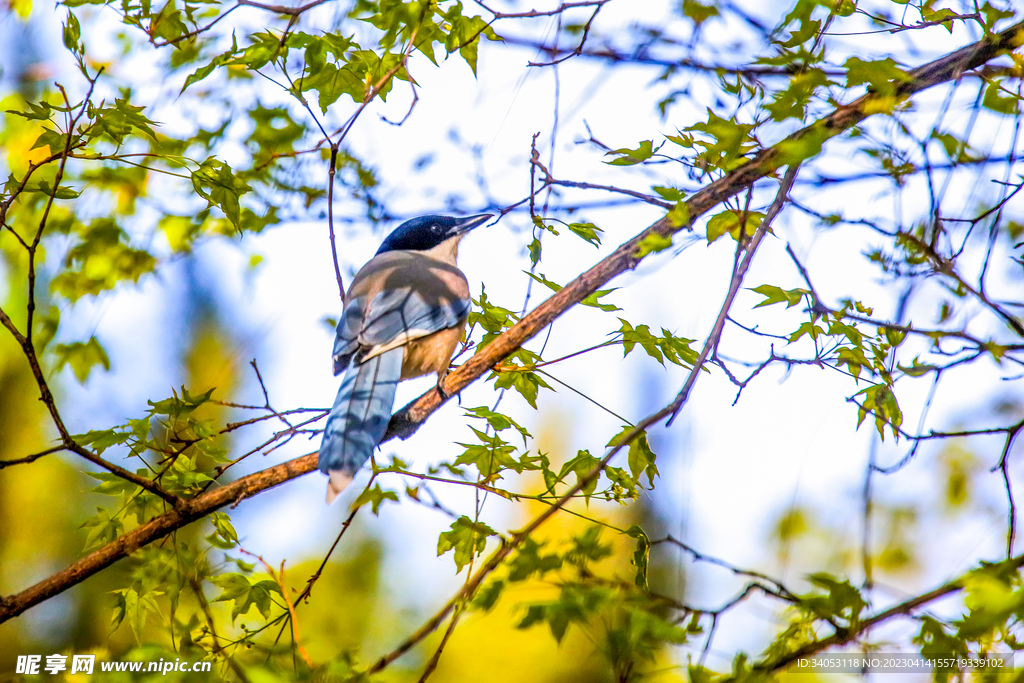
[[763, 164], [409, 418], [669, 411]]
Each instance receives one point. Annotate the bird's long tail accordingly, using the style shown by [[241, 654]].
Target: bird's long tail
[[359, 418]]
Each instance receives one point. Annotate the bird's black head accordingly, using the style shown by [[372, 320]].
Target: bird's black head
[[426, 232]]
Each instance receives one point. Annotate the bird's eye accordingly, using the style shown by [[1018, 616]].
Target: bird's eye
[[435, 227]]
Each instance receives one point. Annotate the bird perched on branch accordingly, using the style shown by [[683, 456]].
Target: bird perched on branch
[[403, 317]]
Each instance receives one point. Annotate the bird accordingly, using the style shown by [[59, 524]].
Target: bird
[[403, 316]]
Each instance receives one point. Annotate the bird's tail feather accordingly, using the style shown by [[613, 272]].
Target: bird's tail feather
[[359, 418]]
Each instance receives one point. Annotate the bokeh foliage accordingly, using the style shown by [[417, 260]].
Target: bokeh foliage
[[108, 186]]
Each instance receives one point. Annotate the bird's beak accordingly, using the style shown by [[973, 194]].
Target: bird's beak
[[464, 225]]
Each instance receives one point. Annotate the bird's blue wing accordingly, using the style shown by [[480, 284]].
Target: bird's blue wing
[[393, 318]]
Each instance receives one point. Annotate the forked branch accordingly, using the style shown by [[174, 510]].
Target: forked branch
[[407, 420]]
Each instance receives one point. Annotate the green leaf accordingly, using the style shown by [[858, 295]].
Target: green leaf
[[994, 14], [275, 132], [103, 528], [491, 456], [43, 186], [265, 47], [804, 145], [842, 600], [581, 465], [224, 537], [854, 359], [73, 34], [136, 608], [679, 215], [526, 382], [808, 27], [464, 34], [119, 121], [629, 157], [652, 242], [497, 421], [792, 102], [882, 76], [168, 24], [777, 295], [699, 12], [676, 349], [992, 599], [996, 101], [730, 142], [331, 82], [216, 183], [375, 497], [488, 596], [528, 561], [588, 547], [956, 148], [894, 336], [641, 555], [880, 400], [112, 484], [37, 112], [493, 319], [100, 440], [588, 231], [807, 328], [467, 538], [731, 223], [641, 458], [938, 16], [179, 407], [82, 356], [916, 368], [576, 603], [535, 251], [204, 71], [671, 194], [245, 594], [184, 476], [47, 322]]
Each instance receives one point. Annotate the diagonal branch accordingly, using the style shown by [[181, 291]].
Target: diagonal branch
[[67, 441], [407, 420], [850, 635], [156, 528], [764, 163], [669, 411], [740, 271]]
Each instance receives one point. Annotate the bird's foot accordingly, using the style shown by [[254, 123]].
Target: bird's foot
[[440, 386]]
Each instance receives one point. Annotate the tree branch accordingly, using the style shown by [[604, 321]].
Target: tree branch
[[67, 442], [408, 419], [851, 634], [669, 411]]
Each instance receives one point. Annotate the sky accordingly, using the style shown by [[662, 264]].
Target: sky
[[727, 471]]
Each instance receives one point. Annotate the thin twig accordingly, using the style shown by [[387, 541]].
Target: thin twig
[[279, 579], [407, 420], [330, 218], [734, 286]]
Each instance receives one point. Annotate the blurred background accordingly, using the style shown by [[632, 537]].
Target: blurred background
[[770, 478]]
